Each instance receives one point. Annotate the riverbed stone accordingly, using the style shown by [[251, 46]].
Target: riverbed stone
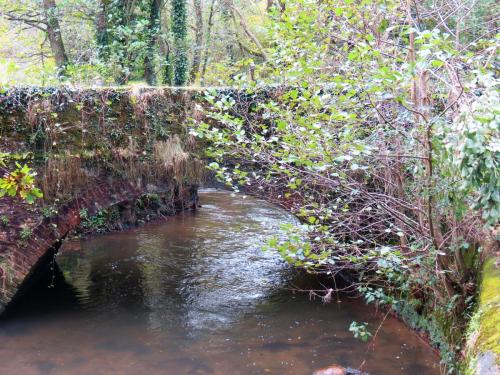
[[338, 370], [331, 370], [486, 364]]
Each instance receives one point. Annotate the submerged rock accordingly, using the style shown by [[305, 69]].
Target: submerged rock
[[338, 370]]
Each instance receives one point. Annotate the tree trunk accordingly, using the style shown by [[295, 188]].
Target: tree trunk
[[123, 17], [154, 17], [208, 40], [228, 18], [178, 19], [198, 40], [247, 31], [168, 71], [54, 35], [101, 26]]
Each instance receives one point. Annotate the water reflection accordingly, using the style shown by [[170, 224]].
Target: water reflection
[[193, 295]]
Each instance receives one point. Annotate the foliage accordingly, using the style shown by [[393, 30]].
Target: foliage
[[25, 234], [18, 180], [360, 331], [473, 146], [49, 211], [126, 39], [96, 222]]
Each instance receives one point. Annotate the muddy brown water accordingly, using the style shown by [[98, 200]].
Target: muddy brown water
[[194, 294]]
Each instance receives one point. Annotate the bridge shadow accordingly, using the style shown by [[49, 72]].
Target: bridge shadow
[[47, 293]]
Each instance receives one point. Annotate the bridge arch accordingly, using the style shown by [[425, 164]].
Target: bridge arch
[[23, 258], [92, 150]]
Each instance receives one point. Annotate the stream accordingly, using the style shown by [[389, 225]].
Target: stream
[[194, 294]]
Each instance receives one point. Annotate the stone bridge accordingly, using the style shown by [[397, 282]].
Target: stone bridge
[[93, 150]]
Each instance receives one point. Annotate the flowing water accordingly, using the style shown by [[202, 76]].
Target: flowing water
[[194, 294]]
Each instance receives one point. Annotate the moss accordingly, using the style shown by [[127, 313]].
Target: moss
[[489, 307], [483, 334]]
